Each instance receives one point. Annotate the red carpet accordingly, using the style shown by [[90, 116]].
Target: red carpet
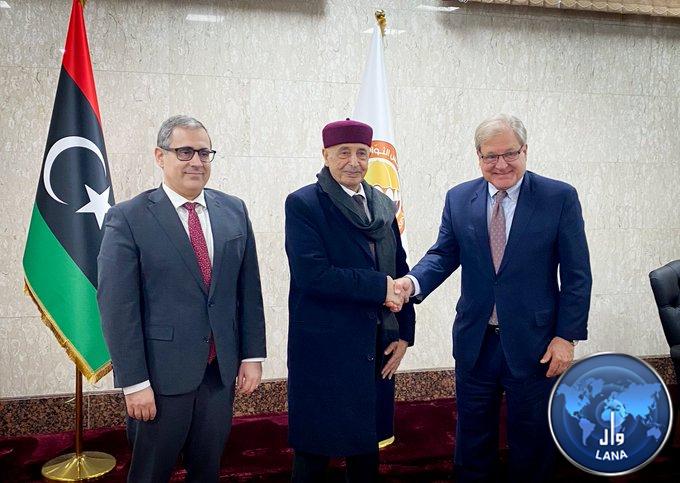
[[257, 451]]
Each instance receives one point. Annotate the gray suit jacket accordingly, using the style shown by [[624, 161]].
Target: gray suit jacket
[[156, 313]]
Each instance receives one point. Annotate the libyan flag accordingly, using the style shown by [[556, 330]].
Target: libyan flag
[[74, 193]]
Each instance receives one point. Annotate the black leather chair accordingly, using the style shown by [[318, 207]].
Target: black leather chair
[[665, 283]]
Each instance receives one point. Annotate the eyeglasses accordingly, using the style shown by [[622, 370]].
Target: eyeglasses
[[186, 153], [509, 157]]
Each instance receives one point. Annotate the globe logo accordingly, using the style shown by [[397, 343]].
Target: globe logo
[[610, 414]]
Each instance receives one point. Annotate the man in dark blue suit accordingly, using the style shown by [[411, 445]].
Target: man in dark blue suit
[[344, 345], [181, 307], [512, 232]]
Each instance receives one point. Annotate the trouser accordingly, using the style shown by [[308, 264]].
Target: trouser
[[311, 468], [195, 424], [478, 396]]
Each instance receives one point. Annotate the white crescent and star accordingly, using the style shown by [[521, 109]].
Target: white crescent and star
[[98, 205], [99, 202]]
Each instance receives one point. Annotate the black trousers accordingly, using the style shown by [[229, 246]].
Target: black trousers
[[478, 396], [195, 424], [311, 468]]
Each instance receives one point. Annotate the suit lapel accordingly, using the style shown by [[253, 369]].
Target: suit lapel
[[525, 208], [224, 228], [478, 209], [166, 216]]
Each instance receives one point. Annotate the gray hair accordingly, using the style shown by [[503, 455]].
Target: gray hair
[[169, 125], [498, 123]]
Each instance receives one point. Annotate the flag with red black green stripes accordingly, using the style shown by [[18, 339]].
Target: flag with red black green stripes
[[74, 193]]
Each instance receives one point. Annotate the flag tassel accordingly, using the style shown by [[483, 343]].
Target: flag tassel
[[91, 375], [81, 465]]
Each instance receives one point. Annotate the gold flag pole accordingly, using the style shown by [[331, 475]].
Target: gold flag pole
[[81, 465], [381, 18]]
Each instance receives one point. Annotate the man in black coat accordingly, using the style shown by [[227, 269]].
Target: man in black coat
[[344, 344]]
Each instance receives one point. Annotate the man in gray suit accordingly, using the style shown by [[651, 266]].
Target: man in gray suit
[[181, 307]]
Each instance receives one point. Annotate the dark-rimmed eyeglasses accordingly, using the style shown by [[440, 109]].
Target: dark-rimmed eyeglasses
[[509, 157], [186, 153]]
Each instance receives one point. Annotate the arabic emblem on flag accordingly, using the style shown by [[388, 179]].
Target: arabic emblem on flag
[[373, 108], [383, 173]]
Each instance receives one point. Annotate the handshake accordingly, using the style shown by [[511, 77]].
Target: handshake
[[398, 293]]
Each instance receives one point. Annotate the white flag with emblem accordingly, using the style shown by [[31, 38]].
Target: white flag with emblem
[[373, 108]]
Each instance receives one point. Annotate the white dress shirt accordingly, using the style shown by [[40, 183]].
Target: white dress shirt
[[361, 192], [178, 202]]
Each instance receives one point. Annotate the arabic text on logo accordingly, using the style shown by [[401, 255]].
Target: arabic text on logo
[[610, 414]]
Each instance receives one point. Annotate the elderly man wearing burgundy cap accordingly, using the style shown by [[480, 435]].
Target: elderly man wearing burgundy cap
[[344, 344]]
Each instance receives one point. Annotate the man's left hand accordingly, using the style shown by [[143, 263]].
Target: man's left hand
[[249, 377], [560, 354], [397, 349]]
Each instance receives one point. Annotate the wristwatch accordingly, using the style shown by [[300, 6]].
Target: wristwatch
[[574, 342]]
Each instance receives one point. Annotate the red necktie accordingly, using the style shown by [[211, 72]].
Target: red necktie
[[202, 257]]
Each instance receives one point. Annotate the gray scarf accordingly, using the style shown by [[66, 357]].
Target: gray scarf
[[378, 230]]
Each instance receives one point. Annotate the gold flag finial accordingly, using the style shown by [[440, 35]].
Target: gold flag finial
[[382, 20], [83, 2]]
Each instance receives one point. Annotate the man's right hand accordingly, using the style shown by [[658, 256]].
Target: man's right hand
[[402, 289], [393, 301], [141, 404], [399, 292]]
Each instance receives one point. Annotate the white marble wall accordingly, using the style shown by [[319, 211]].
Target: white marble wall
[[599, 95]]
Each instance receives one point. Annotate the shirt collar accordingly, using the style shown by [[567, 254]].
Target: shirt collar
[[352, 193], [513, 191], [178, 200]]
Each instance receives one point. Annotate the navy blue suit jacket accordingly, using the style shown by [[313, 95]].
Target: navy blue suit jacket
[[547, 237]]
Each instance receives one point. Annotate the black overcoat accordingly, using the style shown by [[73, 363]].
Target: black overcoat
[[337, 406]]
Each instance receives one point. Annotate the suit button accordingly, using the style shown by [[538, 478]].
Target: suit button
[[371, 315], [211, 304], [206, 340], [370, 357]]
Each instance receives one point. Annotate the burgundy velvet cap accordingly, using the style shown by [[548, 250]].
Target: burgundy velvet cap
[[346, 131]]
